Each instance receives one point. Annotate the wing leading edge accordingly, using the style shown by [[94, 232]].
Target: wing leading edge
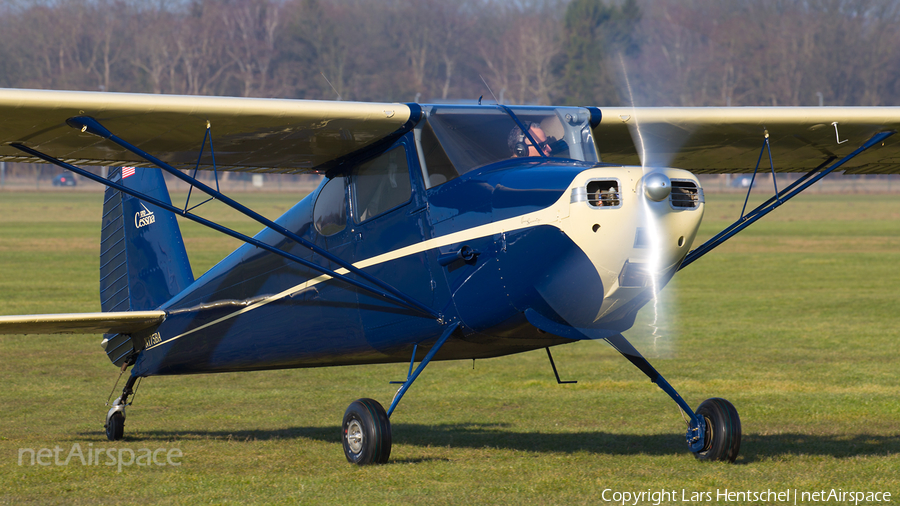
[[718, 140], [295, 136], [249, 134], [125, 322]]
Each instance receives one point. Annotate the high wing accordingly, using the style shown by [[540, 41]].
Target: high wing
[[249, 134], [125, 322], [716, 140], [292, 136]]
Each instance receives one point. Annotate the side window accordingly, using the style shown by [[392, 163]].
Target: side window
[[381, 184], [330, 215], [438, 167]]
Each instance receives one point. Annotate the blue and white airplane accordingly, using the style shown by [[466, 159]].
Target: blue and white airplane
[[439, 232]]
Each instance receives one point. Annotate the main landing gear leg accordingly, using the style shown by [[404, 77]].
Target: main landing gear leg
[[366, 429], [714, 431], [115, 417]]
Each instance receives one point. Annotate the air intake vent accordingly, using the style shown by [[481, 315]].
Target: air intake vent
[[686, 195], [634, 275], [604, 193]]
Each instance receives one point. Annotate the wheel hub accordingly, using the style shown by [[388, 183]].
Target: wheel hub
[[697, 434], [355, 436]]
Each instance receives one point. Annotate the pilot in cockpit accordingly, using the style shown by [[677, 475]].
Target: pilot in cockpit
[[520, 145]]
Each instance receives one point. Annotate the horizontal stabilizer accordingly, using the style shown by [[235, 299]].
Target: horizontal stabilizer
[[125, 322]]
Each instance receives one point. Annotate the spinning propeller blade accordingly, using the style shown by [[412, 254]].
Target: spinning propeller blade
[[656, 145]]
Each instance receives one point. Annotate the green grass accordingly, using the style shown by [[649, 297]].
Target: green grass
[[795, 321]]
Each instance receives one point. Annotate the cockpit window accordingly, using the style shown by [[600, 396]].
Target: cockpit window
[[457, 139], [380, 184], [438, 167]]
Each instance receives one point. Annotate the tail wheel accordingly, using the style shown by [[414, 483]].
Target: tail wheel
[[115, 426], [366, 433], [722, 439]]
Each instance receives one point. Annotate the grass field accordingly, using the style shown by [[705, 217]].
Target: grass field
[[795, 322]]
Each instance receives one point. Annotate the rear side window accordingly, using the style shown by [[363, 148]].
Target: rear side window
[[381, 184], [330, 213], [439, 168]]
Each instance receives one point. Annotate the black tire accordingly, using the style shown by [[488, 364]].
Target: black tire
[[722, 441], [366, 433], [115, 427]]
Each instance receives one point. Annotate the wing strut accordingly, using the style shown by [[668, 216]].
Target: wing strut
[[404, 302], [696, 427], [765, 147], [780, 198], [448, 331], [91, 125], [212, 153]]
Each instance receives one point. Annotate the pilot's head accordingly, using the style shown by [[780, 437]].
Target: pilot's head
[[520, 145]]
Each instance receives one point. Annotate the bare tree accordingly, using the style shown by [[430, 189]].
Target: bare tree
[[200, 44], [520, 48], [156, 52], [315, 30], [251, 29], [693, 52]]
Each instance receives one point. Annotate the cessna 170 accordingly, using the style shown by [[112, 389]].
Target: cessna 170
[[439, 232]]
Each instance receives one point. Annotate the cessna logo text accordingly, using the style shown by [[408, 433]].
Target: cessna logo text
[[144, 217]]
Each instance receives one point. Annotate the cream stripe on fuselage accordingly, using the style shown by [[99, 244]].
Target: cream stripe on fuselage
[[549, 215]]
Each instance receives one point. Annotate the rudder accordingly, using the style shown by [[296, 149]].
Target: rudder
[[143, 262]]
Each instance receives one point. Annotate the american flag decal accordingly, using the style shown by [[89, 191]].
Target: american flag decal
[[127, 172]]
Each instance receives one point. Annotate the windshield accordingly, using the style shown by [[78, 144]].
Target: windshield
[[457, 139]]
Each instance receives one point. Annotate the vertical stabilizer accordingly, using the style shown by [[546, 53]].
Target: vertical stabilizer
[[143, 262]]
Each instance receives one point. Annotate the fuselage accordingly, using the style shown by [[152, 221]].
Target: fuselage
[[525, 252]]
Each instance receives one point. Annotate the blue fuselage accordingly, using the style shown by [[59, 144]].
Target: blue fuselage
[[533, 248]]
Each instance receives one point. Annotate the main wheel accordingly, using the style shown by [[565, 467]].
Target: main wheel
[[722, 440], [366, 433], [115, 426]]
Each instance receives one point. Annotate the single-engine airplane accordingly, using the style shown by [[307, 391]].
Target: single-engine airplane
[[439, 232]]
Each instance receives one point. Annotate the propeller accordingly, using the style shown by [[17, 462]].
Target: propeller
[[568, 288], [656, 145], [567, 285]]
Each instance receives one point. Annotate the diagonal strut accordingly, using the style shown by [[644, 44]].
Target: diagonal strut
[[227, 231], [780, 198], [91, 125]]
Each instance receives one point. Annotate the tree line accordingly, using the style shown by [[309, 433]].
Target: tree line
[[572, 52], [671, 52]]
